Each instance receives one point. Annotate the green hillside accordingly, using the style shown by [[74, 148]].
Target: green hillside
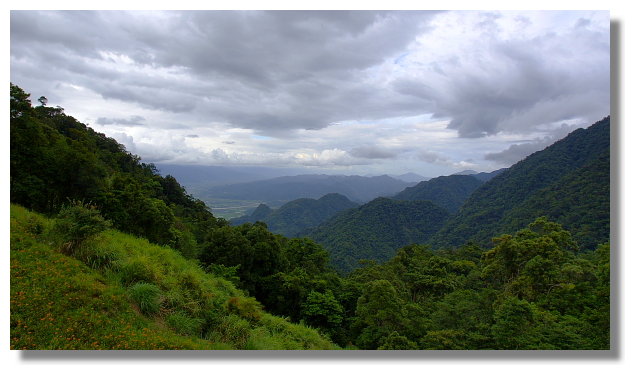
[[117, 291], [56, 159], [375, 230], [448, 192], [490, 209], [580, 201]]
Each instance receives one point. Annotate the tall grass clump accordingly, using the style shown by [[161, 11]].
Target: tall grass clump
[[147, 297], [184, 325]]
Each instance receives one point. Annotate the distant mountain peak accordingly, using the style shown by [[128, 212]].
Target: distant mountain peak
[[465, 172], [448, 192]]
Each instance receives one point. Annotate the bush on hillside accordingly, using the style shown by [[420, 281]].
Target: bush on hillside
[[76, 223]]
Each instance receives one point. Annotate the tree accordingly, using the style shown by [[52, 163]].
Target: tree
[[513, 326], [43, 101], [322, 310], [20, 102], [379, 312]]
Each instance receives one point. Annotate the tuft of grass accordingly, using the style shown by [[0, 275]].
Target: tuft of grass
[[184, 325], [96, 257], [231, 329], [147, 297], [137, 269]]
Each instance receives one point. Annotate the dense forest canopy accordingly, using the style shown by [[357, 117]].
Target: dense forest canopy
[[99, 236], [567, 181], [375, 230], [448, 192]]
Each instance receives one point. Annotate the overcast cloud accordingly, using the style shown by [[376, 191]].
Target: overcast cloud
[[355, 92]]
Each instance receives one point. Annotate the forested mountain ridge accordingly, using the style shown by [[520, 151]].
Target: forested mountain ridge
[[580, 201], [448, 192], [55, 159], [277, 191], [483, 214], [376, 229], [261, 212], [296, 216], [486, 176]]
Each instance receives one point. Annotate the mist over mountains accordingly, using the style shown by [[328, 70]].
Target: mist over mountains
[[279, 190]]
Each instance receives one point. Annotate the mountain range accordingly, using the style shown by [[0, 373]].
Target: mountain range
[[280, 190], [376, 229], [448, 192], [564, 170], [298, 215], [568, 182]]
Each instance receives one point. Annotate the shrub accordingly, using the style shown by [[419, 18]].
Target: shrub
[[76, 223], [147, 297], [35, 225]]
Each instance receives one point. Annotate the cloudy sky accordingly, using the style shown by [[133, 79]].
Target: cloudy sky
[[359, 92]]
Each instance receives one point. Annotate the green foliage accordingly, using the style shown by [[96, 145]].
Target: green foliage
[[96, 257], [394, 341], [568, 182], [373, 231], [183, 324], [532, 262], [245, 307], [445, 339], [55, 158], [57, 302], [322, 310], [579, 201], [533, 290], [379, 312], [20, 102], [76, 223], [147, 297], [225, 272], [250, 246]]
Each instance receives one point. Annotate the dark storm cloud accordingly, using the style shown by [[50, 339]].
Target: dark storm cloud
[[269, 71]]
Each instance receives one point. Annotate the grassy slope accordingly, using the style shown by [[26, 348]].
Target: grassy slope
[[62, 302]]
